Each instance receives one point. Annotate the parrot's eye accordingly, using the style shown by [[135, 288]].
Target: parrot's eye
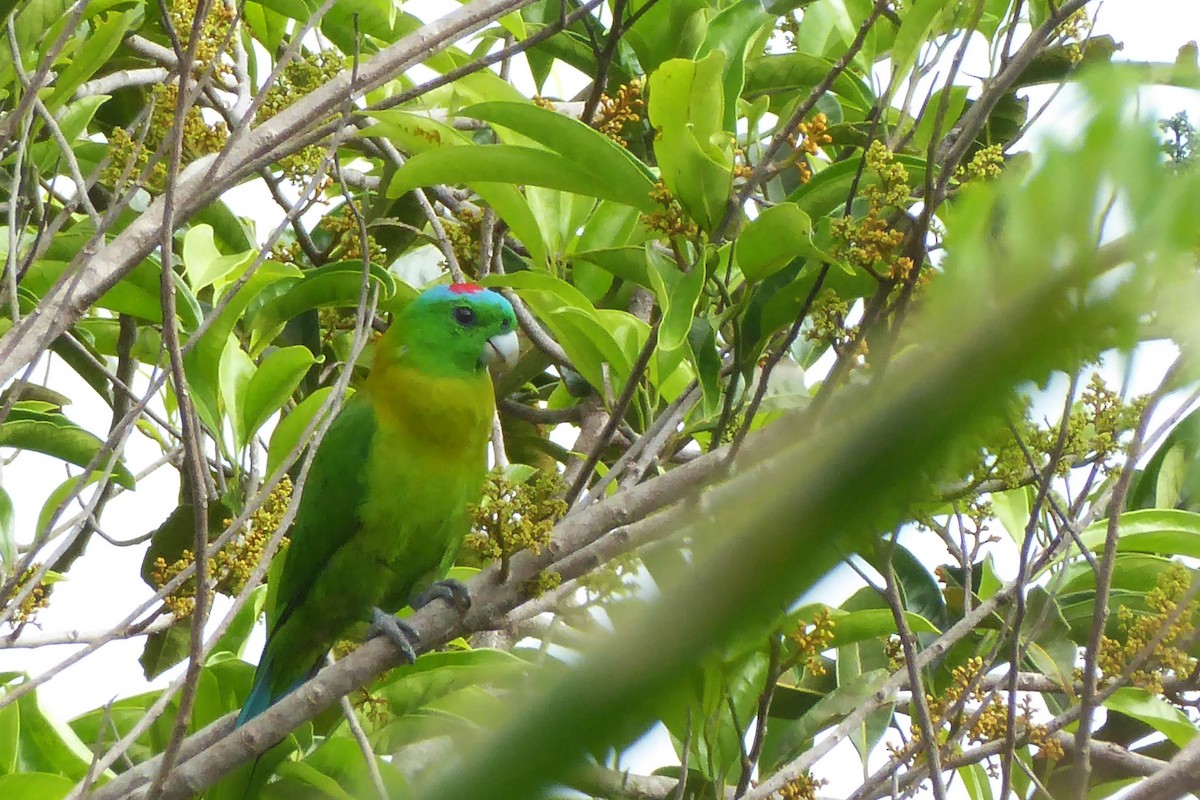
[[464, 315]]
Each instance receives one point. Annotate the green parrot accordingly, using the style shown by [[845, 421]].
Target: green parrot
[[384, 510]]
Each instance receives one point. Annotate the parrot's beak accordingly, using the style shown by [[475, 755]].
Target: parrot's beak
[[502, 348]]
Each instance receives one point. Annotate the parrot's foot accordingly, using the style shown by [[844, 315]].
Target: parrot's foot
[[399, 633], [450, 590]]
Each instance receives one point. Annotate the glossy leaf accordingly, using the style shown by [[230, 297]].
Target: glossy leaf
[[1156, 712], [1166, 531], [203, 263], [97, 48], [511, 164], [272, 385], [418, 134], [334, 285], [10, 737], [593, 151], [287, 433], [692, 147], [729, 32], [58, 437], [53, 507], [8, 541], [774, 239], [34, 786]]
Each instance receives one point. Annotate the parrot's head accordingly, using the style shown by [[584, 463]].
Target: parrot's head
[[454, 330]]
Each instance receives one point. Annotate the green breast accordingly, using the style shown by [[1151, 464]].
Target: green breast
[[426, 466]]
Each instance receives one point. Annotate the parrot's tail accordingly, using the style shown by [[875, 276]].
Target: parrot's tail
[[259, 699]]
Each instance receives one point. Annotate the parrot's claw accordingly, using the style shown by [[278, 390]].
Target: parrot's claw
[[450, 590], [398, 633]]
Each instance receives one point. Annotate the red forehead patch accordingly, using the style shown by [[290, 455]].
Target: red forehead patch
[[465, 288]]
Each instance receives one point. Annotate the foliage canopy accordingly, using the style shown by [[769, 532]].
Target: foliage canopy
[[793, 295]]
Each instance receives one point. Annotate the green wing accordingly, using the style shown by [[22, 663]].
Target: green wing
[[328, 515]]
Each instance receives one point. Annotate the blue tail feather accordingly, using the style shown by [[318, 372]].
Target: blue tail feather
[[259, 699]]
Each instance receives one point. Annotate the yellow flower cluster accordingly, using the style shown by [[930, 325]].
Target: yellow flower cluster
[[513, 516], [810, 639], [671, 221], [545, 581], [609, 579], [298, 79], [230, 567], [987, 163], [130, 158], [814, 135], [869, 241], [978, 714], [1073, 30], [618, 112], [828, 325], [1169, 655], [466, 237], [803, 787], [234, 563], [37, 599], [342, 226], [1094, 430], [214, 33]]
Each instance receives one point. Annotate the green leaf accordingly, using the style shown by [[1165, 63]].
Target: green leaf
[[136, 294], [919, 590], [976, 781], [8, 540], [287, 433], [202, 261], [203, 361], [94, 52], [419, 134], [686, 20], [230, 232], [503, 163], [272, 385], [694, 152], [931, 124], [1172, 477], [10, 736], [1155, 712], [236, 370], [593, 151], [626, 263], [233, 641], [777, 236], [573, 321], [334, 285], [1165, 531], [34, 786], [58, 437], [915, 27], [729, 33], [1012, 510], [787, 740], [46, 745], [778, 76], [1050, 646], [54, 502], [73, 123], [872, 623], [678, 313], [164, 649]]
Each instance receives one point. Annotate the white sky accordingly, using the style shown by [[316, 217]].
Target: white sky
[[104, 585]]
